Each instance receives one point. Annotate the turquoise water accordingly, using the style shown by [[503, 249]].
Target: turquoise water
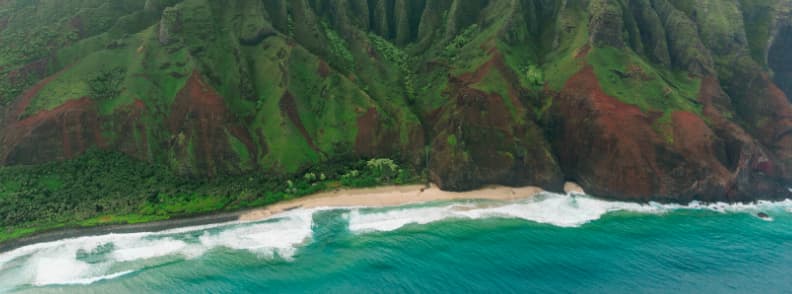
[[551, 244]]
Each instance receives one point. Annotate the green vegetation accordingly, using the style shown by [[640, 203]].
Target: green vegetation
[[452, 140], [111, 188], [634, 81], [107, 84], [235, 104], [375, 172], [461, 40], [338, 46], [568, 57], [757, 17], [495, 83], [665, 127]]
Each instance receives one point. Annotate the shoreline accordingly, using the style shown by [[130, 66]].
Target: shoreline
[[156, 226], [388, 196], [384, 196]]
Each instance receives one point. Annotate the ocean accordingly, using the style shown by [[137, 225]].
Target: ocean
[[551, 243]]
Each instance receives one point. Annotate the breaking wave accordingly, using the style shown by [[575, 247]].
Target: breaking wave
[[88, 260], [548, 208]]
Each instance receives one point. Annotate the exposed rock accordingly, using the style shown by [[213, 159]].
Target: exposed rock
[[606, 24], [169, 25], [573, 188], [778, 58], [478, 141]]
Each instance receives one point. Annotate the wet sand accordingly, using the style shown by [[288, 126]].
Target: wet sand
[[389, 196], [369, 197]]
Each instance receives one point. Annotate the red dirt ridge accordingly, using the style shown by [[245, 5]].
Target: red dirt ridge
[[288, 107], [200, 116]]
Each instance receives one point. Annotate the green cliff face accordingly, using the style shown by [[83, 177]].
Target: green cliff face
[[634, 99]]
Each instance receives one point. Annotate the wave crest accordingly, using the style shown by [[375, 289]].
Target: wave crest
[[549, 208], [88, 260]]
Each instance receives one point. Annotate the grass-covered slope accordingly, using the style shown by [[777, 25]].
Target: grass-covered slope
[[634, 99]]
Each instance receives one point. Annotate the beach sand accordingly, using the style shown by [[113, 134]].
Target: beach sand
[[389, 196], [369, 197]]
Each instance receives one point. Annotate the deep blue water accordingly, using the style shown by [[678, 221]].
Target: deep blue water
[[553, 244]]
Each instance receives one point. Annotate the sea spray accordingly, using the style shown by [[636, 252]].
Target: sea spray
[[549, 208], [78, 260], [88, 260]]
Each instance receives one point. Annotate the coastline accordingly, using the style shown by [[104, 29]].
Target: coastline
[[156, 226], [389, 196], [370, 197]]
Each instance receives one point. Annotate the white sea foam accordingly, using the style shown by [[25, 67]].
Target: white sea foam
[[92, 280], [268, 238], [60, 262], [555, 209], [88, 260], [137, 249]]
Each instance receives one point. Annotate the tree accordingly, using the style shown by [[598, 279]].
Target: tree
[[107, 84]]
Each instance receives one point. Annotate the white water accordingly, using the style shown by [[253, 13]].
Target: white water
[[548, 208], [59, 262], [90, 259]]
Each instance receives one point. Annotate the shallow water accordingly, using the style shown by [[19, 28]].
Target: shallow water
[[551, 243]]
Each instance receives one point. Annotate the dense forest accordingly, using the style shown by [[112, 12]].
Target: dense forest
[[101, 188], [131, 111]]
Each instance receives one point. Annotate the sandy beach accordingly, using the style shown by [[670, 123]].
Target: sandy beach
[[370, 197], [389, 196]]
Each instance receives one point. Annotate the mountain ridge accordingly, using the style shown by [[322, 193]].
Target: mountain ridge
[[636, 100]]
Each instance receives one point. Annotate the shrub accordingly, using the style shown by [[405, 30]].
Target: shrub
[[107, 84]]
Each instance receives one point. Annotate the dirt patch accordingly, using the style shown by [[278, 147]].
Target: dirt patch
[[288, 107], [368, 124], [583, 51], [478, 141], [23, 101], [323, 70], [606, 143], [126, 121], [617, 117], [496, 62], [200, 118], [57, 134], [54, 134], [696, 141], [613, 150], [77, 23], [377, 138]]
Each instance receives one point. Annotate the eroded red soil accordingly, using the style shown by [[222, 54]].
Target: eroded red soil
[[56, 134], [199, 114], [288, 106], [609, 142]]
